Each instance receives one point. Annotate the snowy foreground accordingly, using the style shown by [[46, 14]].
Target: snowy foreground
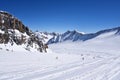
[[96, 59]]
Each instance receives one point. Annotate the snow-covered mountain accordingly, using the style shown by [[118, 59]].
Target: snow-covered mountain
[[77, 36], [97, 58], [94, 59], [69, 35], [14, 33], [45, 36]]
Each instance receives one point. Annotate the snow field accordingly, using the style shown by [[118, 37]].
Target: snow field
[[95, 59]]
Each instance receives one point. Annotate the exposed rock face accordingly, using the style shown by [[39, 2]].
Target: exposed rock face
[[7, 21], [13, 31]]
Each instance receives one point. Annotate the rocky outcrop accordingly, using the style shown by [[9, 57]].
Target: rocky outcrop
[[7, 21], [13, 31]]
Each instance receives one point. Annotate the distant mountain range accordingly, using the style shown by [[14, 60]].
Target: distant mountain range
[[77, 36], [14, 32]]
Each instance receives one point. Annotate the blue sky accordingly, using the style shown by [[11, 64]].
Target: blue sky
[[61, 15]]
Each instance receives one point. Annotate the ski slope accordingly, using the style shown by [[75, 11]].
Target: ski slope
[[95, 59]]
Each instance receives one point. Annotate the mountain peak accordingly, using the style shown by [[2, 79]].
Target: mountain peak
[[13, 31], [76, 35], [74, 31]]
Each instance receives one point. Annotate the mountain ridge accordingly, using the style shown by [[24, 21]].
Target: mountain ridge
[[10, 26], [75, 35]]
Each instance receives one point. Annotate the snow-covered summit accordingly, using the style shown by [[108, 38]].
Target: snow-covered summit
[[78, 36], [68, 35], [45, 36]]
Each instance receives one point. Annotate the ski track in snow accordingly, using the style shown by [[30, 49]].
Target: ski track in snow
[[91, 60], [97, 70]]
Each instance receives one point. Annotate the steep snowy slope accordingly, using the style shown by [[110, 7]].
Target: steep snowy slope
[[94, 59]]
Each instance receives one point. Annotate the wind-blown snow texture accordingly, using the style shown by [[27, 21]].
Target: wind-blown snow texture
[[94, 59]]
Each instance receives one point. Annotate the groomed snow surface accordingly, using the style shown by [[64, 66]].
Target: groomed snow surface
[[95, 59]]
